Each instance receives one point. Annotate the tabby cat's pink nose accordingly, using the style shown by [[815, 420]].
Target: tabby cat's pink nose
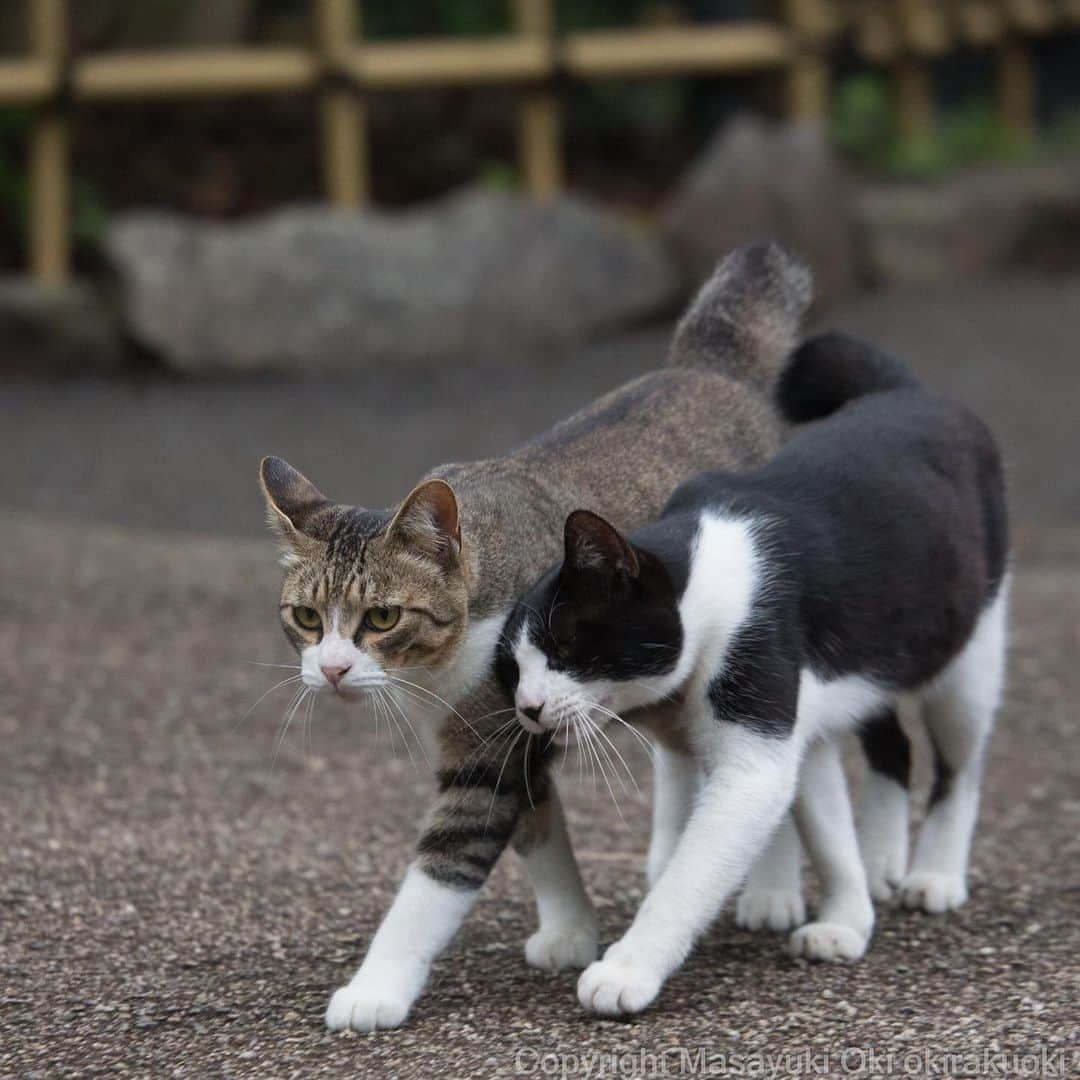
[[334, 673]]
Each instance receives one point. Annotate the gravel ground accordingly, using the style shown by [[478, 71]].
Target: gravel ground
[[176, 901]]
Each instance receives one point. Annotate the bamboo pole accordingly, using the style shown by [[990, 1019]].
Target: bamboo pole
[[539, 121], [193, 73], [406, 65], [741, 47], [1017, 88], [914, 90], [343, 117], [25, 82], [50, 152], [807, 83]]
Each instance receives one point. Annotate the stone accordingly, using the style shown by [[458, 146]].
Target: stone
[[972, 223], [758, 180], [476, 276]]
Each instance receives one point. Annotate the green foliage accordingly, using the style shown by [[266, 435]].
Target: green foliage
[[88, 212], [864, 125], [465, 18], [498, 175]]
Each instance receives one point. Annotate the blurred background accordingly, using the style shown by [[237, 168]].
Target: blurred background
[[374, 237], [521, 192]]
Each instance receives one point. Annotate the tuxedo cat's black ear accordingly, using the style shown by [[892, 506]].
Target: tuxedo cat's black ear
[[292, 500], [428, 519], [593, 544]]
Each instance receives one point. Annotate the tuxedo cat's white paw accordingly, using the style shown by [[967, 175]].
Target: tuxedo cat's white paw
[[831, 942], [932, 892], [883, 877], [560, 947], [364, 1007], [611, 988], [770, 909]]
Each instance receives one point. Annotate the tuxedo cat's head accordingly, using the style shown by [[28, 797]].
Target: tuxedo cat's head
[[367, 593], [585, 640]]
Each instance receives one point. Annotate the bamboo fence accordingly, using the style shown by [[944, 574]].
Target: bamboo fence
[[903, 36]]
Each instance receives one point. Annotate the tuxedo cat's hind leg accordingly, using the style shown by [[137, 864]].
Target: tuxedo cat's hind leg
[[823, 810], [959, 711], [884, 810], [675, 783], [772, 897]]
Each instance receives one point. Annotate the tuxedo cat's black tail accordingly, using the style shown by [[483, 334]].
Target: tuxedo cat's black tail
[[832, 369]]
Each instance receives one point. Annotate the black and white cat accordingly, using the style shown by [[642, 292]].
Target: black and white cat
[[865, 565]]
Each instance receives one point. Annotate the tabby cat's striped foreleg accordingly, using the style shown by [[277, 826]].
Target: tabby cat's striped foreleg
[[471, 822]]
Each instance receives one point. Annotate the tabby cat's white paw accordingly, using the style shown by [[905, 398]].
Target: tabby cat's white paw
[[614, 989], [561, 947], [363, 1007], [832, 942], [770, 909], [932, 892]]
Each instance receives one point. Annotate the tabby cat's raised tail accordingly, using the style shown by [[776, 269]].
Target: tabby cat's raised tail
[[745, 320]]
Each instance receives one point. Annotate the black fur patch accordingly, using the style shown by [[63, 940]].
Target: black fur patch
[[887, 748], [943, 776], [759, 685]]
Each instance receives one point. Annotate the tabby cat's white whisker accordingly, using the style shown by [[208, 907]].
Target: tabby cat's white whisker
[[286, 720], [263, 697], [409, 724]]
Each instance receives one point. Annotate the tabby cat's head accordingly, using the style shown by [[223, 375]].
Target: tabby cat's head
[[588, 638], [368, 595]]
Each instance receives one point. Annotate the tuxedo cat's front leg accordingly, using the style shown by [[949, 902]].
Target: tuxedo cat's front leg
[[568, 935], [749, 785], [823, 811]]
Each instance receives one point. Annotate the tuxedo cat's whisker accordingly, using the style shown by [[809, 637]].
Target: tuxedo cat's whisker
[[525, 767], [503, 727], [498, 779], [594, 731], [607, 739], [263, 697], [607, 746], [494, 712], [605, 711]]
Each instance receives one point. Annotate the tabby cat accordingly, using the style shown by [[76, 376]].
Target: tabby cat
[[401, 610]]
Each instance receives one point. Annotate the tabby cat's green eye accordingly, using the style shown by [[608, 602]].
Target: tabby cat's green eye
[[307, 618], [382, 618]]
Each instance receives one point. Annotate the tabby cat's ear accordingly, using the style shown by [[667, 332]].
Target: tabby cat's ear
[[428, 520], [593, 544], [292, 501]]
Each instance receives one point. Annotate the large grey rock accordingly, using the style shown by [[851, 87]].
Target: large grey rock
[[478, 275], [970, 224], [756, 180]]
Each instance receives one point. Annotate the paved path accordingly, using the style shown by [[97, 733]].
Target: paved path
[[174, 902]]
